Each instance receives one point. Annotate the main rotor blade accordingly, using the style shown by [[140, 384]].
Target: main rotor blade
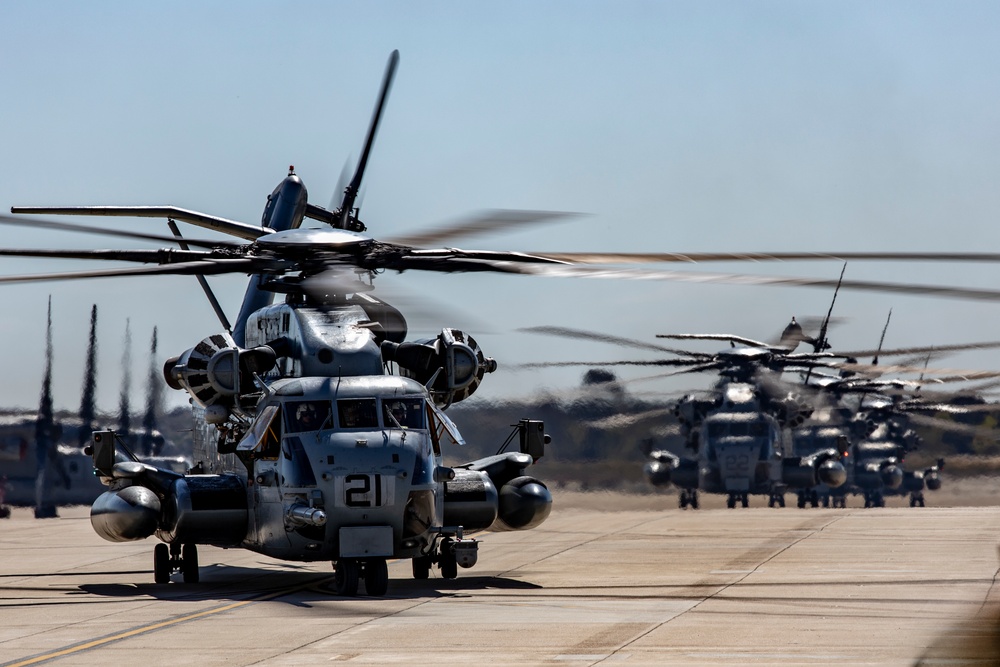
[[948, 374], [726, 337], [622, 421], [655, 362], [231, 227], [162, 256], [70, 227], [568, 271], [451, 260], [482, 223], [351, 192], [203, 268], [922, 350], [566, 332], [694, 257]]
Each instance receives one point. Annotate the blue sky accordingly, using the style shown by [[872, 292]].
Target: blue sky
[[674, 126]]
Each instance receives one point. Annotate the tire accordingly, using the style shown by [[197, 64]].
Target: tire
[[745, 500], [346, 579], [376, 577], [189, 564], [731, 501], [449, 566], [694, 500], [421, 566], [161, 563]]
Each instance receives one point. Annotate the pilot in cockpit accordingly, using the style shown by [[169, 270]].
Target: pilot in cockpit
[[307, 417]]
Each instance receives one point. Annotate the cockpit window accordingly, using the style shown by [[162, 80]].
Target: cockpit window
[[403, 412], [303, 416], [756, 429], [357, 413]]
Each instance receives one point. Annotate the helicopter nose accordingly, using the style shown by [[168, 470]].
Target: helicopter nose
[[832, 473]]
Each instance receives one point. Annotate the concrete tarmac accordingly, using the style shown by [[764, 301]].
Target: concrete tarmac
[[601, 582]]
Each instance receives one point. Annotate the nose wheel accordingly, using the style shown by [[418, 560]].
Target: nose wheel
[[689, 497], [349, 572], [174, 557]]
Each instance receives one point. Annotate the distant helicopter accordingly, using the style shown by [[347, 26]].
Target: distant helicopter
[[307, 448]]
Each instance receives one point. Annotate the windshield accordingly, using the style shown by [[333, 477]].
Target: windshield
[[403, 413], [357, 413], [302, 416]]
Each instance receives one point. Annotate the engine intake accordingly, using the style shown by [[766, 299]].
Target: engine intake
[[451, 366]]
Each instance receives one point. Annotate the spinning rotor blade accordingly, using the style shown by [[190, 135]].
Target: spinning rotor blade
[[694, 257], [569, 271], [726, 337], [69, 227], [657, 362], [565, 332], [621, 421], [453, 260], [968, 374], [200, 268], [482, 223], [351, 191], [144, 256], [928, 349], [230, 227]]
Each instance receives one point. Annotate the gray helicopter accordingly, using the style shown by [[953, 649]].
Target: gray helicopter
[[307, 448]]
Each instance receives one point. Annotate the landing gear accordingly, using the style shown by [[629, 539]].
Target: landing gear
[[810, 497], [349, 572], [689, 497], [917, 499], [839, 501], [174, 557], [421, 567], [449, 566], [776, 500], [742, 498], [825, 499], [376, 577], [874, 499]]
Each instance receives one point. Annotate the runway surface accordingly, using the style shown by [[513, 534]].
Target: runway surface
[[600, 583]]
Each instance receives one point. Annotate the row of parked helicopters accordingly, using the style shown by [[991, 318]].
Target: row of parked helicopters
[[320, 429], [42, 459], [831, 433]]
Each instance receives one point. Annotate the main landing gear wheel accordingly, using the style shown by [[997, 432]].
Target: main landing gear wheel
[[376, 577], [161, 563], [449, 566], [347, 575], [421, 567], [170, 558], [774, 500], [189, 564]]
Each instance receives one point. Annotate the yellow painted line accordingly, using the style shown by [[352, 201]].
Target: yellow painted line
[[62, 653]]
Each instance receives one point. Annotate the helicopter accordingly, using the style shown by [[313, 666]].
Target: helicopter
[[307, 446]]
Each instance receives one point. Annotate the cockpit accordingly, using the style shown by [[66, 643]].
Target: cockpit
[[355, 414]]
